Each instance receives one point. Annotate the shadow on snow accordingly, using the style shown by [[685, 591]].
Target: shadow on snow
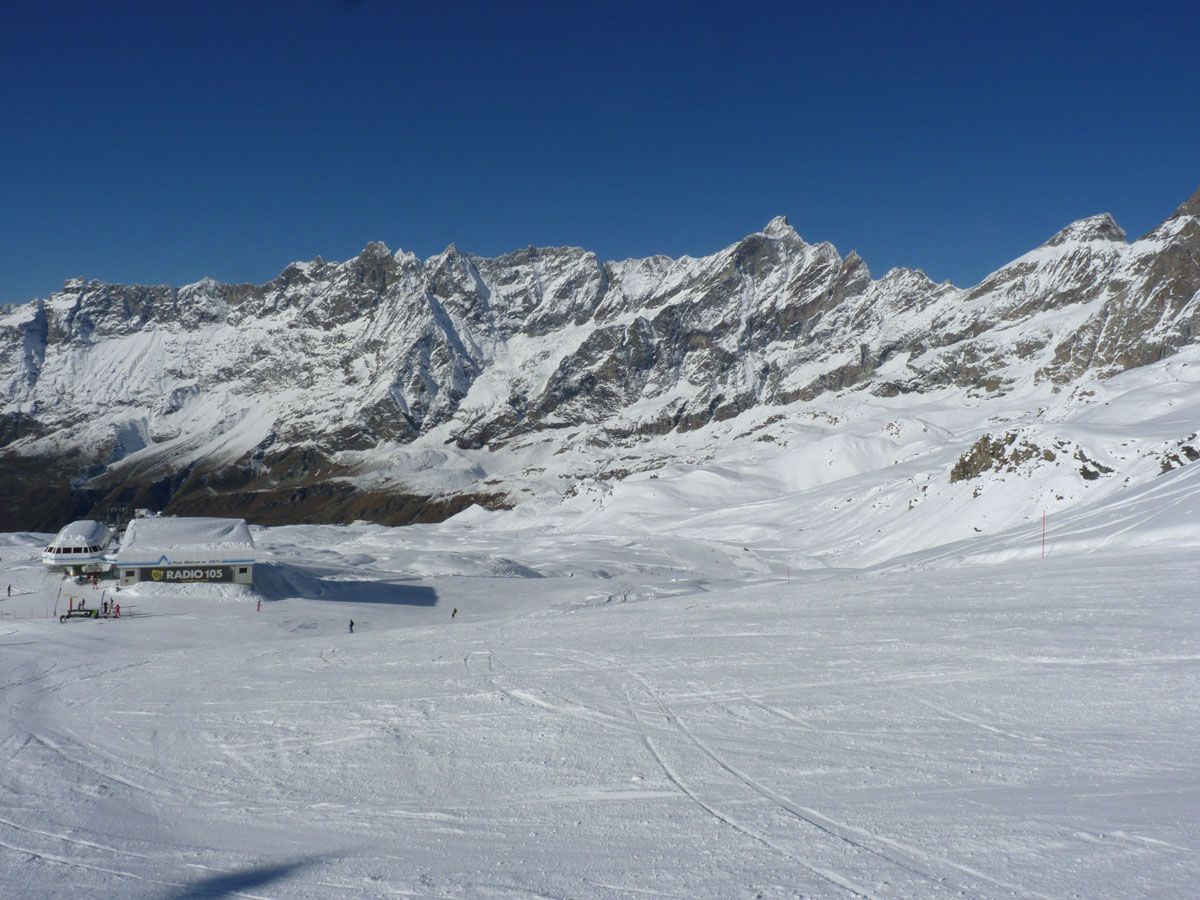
[[225, 884], [279, 581]]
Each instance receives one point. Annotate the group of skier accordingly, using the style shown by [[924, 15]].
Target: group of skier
[[108, 609]]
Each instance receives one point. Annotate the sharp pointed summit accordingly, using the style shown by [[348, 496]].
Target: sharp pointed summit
[[1102, 227], [779, 227]]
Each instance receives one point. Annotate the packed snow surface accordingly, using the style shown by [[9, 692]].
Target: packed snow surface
[[670, 712], [185, 539]]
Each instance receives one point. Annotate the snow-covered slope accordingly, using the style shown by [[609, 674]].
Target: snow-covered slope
[[366, 388], [535, 706]]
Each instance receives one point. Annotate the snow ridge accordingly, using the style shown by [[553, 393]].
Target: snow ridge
[[330, 369]]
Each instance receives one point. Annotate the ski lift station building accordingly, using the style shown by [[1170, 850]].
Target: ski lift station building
[[79, 547], [175, 550]]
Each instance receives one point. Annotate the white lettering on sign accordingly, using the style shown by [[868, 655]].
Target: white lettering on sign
[[188, 573], [185, 574]]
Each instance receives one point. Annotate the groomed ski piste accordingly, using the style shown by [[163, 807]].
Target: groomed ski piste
[[830, 673]]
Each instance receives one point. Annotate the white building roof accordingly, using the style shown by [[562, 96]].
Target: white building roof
[[84, 533], [165, 541]]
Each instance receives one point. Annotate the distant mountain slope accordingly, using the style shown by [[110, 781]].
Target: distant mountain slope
[[394, 388], [865, 482]]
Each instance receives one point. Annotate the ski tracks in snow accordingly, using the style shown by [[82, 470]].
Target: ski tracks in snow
[[913, 861], [502, 681], [980, 724], [652, 736]]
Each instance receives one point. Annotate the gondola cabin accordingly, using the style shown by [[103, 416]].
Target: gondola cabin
[[79, 548]]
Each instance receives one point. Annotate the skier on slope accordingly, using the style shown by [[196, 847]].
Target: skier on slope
[[352, 626], [454, 612]]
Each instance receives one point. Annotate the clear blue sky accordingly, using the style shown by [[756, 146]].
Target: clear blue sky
[[167, 141]]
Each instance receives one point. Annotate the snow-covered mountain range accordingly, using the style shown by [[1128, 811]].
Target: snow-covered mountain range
[[396, 389]]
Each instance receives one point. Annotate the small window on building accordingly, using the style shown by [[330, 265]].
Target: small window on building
[[242, 570], [129, 573]]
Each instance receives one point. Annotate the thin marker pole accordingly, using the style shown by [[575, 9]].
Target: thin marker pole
[[1043, 534]]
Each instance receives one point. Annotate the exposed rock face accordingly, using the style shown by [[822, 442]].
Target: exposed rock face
[[1184, 452], [210, 387], [993, 453]]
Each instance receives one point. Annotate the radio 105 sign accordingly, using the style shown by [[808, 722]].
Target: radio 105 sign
[[179, 574]]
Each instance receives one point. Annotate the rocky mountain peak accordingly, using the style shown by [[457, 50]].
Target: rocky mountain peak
[[207, 283], [1190, 207], [1094, 228], [855, 264], [903, 276], [375, 249], [779, 227]]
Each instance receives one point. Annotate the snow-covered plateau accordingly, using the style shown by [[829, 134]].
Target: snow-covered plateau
[[845, 666]]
